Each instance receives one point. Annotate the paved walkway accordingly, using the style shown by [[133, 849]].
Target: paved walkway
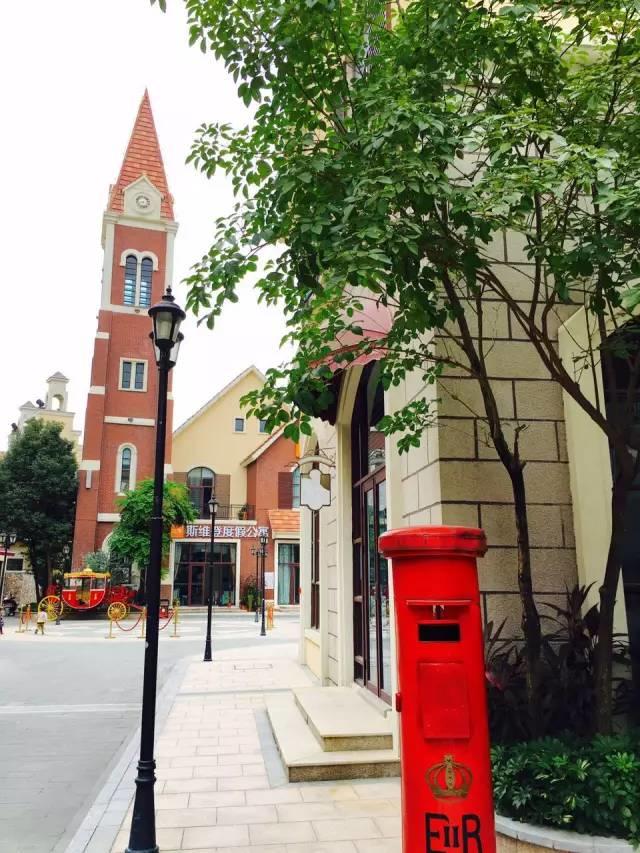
[[221, 785]]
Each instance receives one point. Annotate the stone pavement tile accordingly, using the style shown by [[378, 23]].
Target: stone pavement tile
[[281, 833], [216, 799], [242, 783], [257, 769], [163, 751], [218, 749], [274, 796], [373, 790], [215, 836], [380, 845], [198, 760], [320, 792], [307, 811], [346, 828], [390, 826], [237, 759], [164, 772], [186, 817], [218, 772], [187, 786], [172, 801], [247, 814], [322, 847], [368, 808]]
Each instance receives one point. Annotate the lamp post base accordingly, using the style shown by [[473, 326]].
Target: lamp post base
[[142, 838], [207, 652], [257, 619]]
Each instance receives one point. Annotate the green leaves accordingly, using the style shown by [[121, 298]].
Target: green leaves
[[131, 536], [38, 485], [588, 786]]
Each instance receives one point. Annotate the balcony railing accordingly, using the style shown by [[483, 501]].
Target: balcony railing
[[235, 512]]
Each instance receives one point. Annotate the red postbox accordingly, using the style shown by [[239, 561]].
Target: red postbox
[[447, 800]]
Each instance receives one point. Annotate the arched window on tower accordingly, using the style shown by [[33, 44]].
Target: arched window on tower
[[130, 280], [201, 482], [146, 276], [126, 468], [138, 279]]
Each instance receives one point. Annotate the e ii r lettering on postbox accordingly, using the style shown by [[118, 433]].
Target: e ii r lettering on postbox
[[443, 835]]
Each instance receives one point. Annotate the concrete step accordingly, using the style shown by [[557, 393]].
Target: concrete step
[[306, 761], [341, 720]]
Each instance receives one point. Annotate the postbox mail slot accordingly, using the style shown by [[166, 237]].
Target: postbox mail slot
[[439, 632], [439, 602], [444, 701]]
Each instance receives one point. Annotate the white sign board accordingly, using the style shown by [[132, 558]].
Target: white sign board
[[315, 489], [269, 580]]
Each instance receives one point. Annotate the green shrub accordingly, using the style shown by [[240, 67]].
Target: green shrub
[[589, 786]]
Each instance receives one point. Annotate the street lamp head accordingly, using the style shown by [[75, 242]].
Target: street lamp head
[[166, 317], [66, 550], [213, 506], [8, 539], [263, 540]]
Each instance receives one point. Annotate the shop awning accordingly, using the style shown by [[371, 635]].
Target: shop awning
[[284, 523]]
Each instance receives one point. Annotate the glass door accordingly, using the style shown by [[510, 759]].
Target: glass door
[[377, 645]]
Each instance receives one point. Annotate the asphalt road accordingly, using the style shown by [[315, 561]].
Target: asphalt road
[[69, 703]]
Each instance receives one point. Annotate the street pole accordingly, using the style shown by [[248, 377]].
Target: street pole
[[9, 539], [256, 551], [166, 338], [213, 507], [66, 551], [263, 554]]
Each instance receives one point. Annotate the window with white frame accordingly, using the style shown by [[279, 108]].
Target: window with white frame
[[262, 426], [126, 468], [133, 374], [138, 280], [238, 425]]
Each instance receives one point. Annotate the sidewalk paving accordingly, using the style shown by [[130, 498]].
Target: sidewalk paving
[[221, 785]]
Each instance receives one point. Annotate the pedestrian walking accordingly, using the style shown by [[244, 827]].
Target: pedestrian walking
[[40, 620], [1, 621]]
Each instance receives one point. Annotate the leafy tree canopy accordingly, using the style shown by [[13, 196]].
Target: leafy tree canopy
[[387, 164], [38, 485], [131, 536]]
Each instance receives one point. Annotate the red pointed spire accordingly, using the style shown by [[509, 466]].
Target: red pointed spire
[[143, 157]]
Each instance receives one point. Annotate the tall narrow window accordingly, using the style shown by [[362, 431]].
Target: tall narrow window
[[295, 489], [146, 276], [200, 482], [133, 375], [125, 469], [130, 280], [139, 380]]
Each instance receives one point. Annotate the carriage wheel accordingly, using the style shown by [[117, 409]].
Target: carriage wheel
[[53, 606], [117, 611]]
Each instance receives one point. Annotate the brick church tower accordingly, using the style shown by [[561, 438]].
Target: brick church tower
[[138, 234]]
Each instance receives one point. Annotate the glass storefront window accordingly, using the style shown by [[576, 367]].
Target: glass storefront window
[[288, 573], [190, 573]]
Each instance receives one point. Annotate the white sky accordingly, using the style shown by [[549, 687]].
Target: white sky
[[71, 78]]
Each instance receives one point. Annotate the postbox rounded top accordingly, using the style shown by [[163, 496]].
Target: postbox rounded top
[[433, 539]]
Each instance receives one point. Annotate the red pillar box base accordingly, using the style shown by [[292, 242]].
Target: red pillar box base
[[447, 801]]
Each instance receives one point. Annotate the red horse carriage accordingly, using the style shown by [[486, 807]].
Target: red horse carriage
[[86, 590]]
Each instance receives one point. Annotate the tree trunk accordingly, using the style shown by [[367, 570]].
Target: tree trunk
[[530, 617], [608, 590]]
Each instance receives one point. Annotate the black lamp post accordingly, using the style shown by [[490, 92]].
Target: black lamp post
[[166, 337], [7, 540], [256, 553], [263, 554], [213, 510], [65, 553]]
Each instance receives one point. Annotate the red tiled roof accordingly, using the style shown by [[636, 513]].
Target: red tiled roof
[[143, 157], [284, 520]]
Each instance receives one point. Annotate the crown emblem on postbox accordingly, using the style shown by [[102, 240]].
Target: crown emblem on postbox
[[449, 779]]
